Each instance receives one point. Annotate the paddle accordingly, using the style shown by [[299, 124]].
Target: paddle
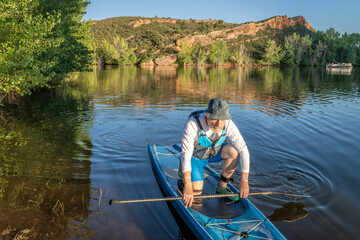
[[208, 196]]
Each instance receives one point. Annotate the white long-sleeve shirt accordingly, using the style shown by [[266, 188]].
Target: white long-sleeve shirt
[[191, 135]]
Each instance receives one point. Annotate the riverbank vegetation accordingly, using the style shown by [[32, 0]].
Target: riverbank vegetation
[[41, 41]]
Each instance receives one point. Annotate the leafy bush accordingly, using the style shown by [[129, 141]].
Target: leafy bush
[[40, 42]]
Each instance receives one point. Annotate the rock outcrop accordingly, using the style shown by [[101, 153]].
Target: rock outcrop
[[148, 63], [166, 61], [249, 29]]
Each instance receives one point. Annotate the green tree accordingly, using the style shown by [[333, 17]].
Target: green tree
[[218, 52], [40, 41], [117, 52], [184, 55], [23, 39], [348, 47], [240, 55], [296, 48], [73, 53], [154, 36], [108, 53], [339, 48], [273, 53], [126, 55], [331, 40], [203, 27], [198, 54], [317, 55], [220, 24]]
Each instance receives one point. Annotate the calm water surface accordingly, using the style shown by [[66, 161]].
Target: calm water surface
[[64, 154]]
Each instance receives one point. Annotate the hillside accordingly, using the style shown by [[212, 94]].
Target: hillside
[[152, 38], [250, 30]]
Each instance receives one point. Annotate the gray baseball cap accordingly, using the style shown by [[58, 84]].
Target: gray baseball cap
[[218, 109]]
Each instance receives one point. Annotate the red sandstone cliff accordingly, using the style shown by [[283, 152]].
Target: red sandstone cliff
[[249, 29]]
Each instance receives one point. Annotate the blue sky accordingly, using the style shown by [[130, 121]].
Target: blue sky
[[342, 15]]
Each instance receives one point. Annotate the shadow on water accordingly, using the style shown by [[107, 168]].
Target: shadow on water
[[290, 212], [184, 232]]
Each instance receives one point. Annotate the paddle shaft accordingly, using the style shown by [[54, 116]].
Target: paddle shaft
[[208, 196]]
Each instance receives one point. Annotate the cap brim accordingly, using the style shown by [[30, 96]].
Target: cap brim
[[218, 116]]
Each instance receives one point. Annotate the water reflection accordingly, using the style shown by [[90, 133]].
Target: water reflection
[[44, 166], [339, 71], [65, 153], [281, 92]]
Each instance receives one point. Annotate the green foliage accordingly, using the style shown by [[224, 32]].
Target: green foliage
[[126, 54], [317, 54], [204, 27], [338, 48], [296, 48], [349, 45], [332, 40], [146, 56], [280, 35], [273, 53], [218, 52], [73, 52], [116, 53], [40, 41], [154, 37], [184, 56], [198, 54], [108, 53], [195, 54], [240, 55], [219, 24], [24, 37]]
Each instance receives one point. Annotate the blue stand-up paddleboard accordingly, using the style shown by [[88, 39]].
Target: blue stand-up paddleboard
[[217, 218]]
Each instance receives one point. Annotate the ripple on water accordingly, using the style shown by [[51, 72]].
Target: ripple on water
[[279, 171], [274, 107]]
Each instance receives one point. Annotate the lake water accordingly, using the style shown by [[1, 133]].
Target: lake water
[[65, 153]]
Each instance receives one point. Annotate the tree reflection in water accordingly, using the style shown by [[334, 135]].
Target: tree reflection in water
[[44, 166]]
